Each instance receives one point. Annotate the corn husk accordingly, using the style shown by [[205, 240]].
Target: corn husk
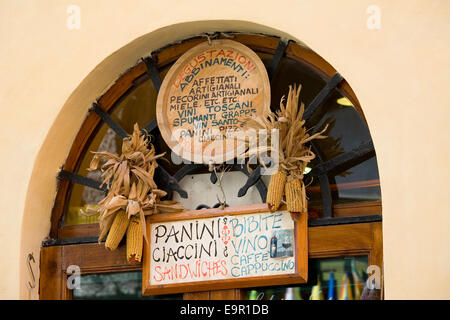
[[129, 179], [295, 195], [276, 190], [134, 241], [117, 231], [294, 152]]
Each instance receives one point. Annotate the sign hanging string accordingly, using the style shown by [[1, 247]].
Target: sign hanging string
[[223, 169]]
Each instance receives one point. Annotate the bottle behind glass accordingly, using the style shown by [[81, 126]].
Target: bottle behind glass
[[273, 246]]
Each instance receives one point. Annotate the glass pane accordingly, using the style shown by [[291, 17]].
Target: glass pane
[[346, 128], [341, 278], [82, 196], [359, 183], [291, 72], [121, 285], [137, 106], [314, 198]]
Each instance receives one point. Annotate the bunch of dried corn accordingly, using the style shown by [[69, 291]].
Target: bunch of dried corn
[[276, 190], [117, 231], [291, 149], [135, 241], [132, 192]]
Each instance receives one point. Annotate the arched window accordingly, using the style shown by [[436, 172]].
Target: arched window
[[343, 184]]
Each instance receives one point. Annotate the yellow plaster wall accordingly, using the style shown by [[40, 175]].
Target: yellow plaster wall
[[50, 75]]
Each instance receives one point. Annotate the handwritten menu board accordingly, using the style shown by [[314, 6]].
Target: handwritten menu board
[[205, 96], [236, 247]]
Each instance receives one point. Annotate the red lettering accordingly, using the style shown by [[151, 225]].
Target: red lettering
[[160, 275], [224, 266], [221, 52], [242, 61], [194, 270], [211, 52], [201, 58]]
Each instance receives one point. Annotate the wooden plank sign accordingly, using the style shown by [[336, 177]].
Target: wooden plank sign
[[214, 249], [205, 96]]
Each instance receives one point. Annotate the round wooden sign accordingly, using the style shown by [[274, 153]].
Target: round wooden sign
[[205, 96]]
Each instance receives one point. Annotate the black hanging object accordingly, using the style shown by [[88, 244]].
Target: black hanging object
[[251, 181], [213, 177], [202, 206], [172, 183]]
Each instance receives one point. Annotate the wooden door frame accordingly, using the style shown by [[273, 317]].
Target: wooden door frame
[[324, 242]]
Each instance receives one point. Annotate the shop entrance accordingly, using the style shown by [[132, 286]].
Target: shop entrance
[[345, 234]]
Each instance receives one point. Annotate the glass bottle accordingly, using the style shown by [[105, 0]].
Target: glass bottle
[[289, 294], [331, 295], [253, 295], [297, 294], [273, 246]]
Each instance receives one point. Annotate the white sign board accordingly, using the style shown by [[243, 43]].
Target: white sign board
[[222, 248]]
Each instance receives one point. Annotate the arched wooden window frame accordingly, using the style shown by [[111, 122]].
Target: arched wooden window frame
[[347, 236], [158, 60]]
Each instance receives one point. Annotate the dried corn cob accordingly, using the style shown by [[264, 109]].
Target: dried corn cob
[[117, 231], [295, 198], [135, 241], [276, 190]]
